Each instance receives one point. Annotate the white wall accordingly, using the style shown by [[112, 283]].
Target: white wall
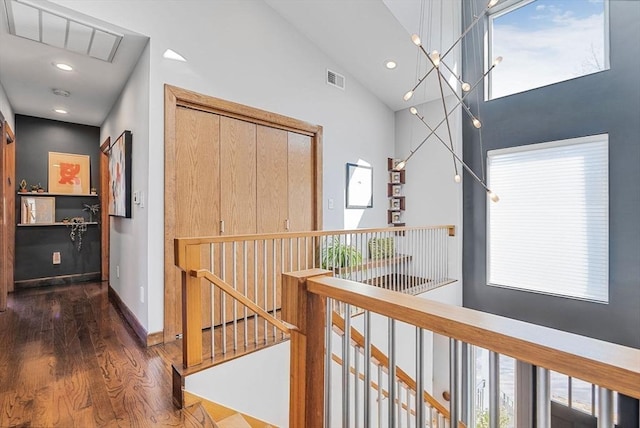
[[129, 237], [6, 109], [256, 384], [246, 53]]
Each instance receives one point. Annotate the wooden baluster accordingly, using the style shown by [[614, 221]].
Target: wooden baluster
[[307, 312], [191, 309]]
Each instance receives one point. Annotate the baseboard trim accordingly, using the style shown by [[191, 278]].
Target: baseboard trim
[[145, 338], [57, 280]]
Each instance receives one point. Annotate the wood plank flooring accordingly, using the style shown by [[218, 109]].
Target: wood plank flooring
[[68, 359]]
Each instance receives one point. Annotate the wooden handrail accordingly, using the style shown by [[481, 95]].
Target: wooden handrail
[[383, 360], [609, 365], [180, 244], [283, 326]]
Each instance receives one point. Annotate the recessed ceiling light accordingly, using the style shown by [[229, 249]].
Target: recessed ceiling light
[[63, 66], [60, 111], [171, 54], [61, 92], [390, 64]]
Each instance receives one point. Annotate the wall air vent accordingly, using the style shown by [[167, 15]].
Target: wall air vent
[[335, 79]]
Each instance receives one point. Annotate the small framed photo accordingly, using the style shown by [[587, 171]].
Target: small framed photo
[[395, 218], [395, 177], [395, 204], [397, 190], [359, 186]]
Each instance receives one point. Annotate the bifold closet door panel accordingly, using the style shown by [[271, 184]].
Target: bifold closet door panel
[[272, 210], [197, 200], [272, 180], [301, 191], [238, 193]]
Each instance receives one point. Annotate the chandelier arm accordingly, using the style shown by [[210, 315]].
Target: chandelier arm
[[411, 152], [464, 106], [452, 73], [464, 165], [446, 117], [473, 23], [422, 80]]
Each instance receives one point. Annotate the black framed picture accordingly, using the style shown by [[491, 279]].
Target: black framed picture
[[120, 176], [359, 186]]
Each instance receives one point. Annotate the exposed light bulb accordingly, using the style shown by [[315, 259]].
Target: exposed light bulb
[[435, 57], [477, 123], [400, 166], [457, 178], [493, 3], [497, 61], [493, 196], [408, 96], [390, 64], [466, 87], [416, 40], [413, 110]]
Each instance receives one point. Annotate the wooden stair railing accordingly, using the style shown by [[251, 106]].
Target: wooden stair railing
[[244, 300], [610, 366], [407, 261], [383, 360]]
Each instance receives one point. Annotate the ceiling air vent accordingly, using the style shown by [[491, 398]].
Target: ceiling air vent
[[335, 79]]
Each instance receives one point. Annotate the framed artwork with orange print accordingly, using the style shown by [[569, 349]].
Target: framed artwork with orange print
[[69, 173]]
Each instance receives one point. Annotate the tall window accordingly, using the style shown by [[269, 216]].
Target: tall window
[[545, 42], [550, 231]]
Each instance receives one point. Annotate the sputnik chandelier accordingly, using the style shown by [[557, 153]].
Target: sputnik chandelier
[[437, 64]]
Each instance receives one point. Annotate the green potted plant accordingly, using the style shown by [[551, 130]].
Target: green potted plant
[[338, 255]]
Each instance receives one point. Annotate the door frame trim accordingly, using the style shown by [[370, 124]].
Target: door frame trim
[[175, 97], [105, 219]]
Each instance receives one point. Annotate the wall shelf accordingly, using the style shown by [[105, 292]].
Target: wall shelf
[[395, 194], [54, 224], [84, 195]]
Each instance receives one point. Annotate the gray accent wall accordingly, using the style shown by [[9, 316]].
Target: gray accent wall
[[35, 138], [605, 102]]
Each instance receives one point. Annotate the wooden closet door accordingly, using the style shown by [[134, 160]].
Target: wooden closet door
[[301, 182], [272, 211], [301, 191], [197, 200], [238, 193], [272, 195]]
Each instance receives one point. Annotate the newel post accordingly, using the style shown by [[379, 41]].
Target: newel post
[[191, 309], [307, 312]]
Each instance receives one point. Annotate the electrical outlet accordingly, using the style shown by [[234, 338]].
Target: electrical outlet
[[56, 258], [117, 271], [141, 294]]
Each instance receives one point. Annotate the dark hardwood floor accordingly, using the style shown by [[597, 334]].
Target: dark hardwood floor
[[68, 359]]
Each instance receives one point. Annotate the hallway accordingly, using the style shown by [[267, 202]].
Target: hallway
[[68, 359]]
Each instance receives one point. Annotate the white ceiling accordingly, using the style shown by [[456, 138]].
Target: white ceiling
[[361, 35], [28, 76], [358, 35]]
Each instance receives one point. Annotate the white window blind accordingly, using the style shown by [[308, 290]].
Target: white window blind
[[550, 231]]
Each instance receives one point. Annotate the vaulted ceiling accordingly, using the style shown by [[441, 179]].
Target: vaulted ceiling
[[359, 35]]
